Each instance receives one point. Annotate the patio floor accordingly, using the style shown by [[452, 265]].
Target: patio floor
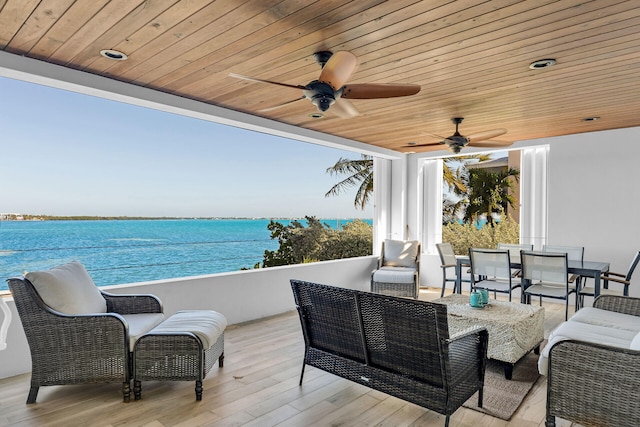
[[258, 386]]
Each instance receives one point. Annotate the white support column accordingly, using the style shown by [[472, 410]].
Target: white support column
[[381, 202], [533, 195], [390, 201], [431, 205]]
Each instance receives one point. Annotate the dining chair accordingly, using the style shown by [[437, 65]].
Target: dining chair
[[491, 270], [448, 261], [545, 274], [514, 253], [609, 276], [574, 253]]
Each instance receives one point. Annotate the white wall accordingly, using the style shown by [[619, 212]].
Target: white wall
[[240, 296], [594, 195]]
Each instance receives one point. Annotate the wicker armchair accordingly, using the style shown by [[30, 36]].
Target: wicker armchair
[[82, 348], [398, 269]]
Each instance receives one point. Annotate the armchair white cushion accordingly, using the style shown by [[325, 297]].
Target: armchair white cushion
[[69, 289], [400, 253]]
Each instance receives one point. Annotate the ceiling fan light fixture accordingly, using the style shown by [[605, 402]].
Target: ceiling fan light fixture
[[114, 54], [542, 63]]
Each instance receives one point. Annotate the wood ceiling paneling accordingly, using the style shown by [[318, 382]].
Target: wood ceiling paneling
[[470, 57]]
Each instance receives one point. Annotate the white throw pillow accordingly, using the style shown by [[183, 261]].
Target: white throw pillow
[[68, 289], [400, 253]]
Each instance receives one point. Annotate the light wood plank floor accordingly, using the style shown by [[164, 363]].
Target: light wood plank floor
[[258, 386]]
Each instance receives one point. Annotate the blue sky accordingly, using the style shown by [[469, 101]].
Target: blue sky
[[65, 153]]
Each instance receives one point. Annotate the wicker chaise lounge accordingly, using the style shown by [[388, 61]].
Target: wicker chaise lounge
[[76, 333], [395, 345]]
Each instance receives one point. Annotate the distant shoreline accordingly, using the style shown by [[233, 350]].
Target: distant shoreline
[[27, 217]]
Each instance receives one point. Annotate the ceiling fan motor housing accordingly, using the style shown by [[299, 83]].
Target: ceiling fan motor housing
[[321, 95]]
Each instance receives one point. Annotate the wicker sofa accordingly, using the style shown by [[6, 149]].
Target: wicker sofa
[[593, 365], [76, 333], [395, 345]]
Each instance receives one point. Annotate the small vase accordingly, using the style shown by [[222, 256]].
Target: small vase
[[475, 299]]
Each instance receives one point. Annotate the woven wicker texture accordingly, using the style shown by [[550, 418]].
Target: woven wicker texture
[[595, 385], [410, 290], [174, 357], [77, 349], [394, 345]]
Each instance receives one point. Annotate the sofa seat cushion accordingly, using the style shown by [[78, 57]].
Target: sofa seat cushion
[[394, 275], [207, 325], [140, 324], [579, 331], [611, 319], [69, 289]]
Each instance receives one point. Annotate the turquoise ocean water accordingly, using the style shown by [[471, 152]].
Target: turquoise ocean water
[[127, 251]]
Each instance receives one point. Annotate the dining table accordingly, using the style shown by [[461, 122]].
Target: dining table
[[592, 269]]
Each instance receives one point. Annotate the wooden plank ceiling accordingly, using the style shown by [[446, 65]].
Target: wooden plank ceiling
[[470, 57]]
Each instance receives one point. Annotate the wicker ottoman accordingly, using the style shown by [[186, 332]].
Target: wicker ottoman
[[182, 348]]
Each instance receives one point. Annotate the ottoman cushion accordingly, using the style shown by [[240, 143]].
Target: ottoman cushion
[[207, 325]]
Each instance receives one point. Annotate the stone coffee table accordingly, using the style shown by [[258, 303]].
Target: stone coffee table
[[514, 329]]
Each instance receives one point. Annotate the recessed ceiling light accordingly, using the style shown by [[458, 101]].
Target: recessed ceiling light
[[542, 63], [316, 115], [411, 143], [591, 119], [114, 54]]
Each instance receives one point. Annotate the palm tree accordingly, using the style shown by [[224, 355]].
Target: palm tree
[[359, 172], [489, 193], [455, 178]]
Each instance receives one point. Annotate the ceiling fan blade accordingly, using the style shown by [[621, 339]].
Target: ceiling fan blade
[[428, 147], [427, 144], [284, 104], [373, 90], [489, 134], [338, 69], [252, 79], [433, 135], [344, 109], [490, 144]]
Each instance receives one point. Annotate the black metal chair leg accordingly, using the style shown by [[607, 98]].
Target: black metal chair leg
[[301, 374]]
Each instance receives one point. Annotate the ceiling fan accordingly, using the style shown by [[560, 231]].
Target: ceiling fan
[[330, 90], [457, 142]]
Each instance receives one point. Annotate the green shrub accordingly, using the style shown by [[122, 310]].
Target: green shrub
[[465, 236], [317, 242]]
